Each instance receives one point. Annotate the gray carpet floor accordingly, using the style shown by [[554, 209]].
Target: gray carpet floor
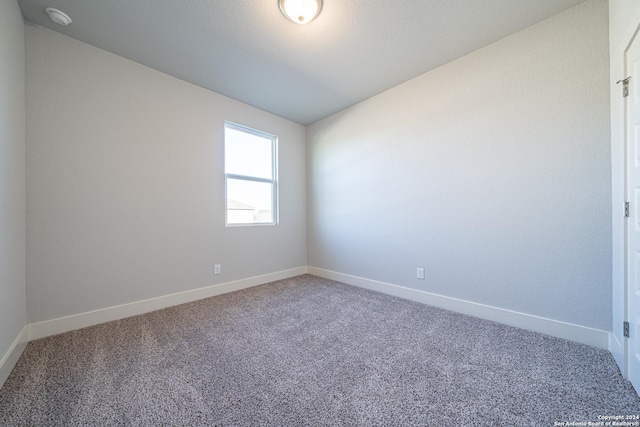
[[310, 351]]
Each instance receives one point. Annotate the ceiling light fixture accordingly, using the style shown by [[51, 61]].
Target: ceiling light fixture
[[58, 16], [300, 11]]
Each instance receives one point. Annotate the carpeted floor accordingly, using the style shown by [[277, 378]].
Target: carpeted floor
[[310, 351]]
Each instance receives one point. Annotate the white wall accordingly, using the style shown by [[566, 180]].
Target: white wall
[[491, 172], [623, 16], [125, 186], [12, 184]]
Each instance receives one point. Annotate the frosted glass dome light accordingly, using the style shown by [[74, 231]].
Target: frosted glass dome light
[[58, 16], [300, 11]]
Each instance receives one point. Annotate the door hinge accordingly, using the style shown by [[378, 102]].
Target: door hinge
[[625, 329], [626, 209], [625, 86]]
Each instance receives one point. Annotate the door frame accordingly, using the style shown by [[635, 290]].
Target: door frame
[[618, 344]]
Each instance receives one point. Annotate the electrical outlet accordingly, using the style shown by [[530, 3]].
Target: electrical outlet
[[216, 269], [420, 273]]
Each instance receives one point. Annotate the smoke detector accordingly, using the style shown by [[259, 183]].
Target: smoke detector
[[58, 16]]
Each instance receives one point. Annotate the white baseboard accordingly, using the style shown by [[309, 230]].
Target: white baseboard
[[90, 318], [577, 333], [581, 334], [10, 359]]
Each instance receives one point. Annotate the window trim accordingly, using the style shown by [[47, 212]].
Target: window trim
[[273, 181]]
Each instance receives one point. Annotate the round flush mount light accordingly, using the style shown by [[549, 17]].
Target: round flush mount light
[[58, 16], [300, 11]]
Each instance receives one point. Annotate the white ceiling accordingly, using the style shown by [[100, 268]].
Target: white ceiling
[[247, 50]]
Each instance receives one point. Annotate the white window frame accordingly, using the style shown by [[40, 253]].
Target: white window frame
[[273, 181]]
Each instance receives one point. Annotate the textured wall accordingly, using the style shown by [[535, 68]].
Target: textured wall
[[126, 187], [12, 170], [491, 172]]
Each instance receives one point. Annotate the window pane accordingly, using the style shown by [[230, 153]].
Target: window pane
[[249, 202], [248, 154]]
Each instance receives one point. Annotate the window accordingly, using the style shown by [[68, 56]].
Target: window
[[250, 176]]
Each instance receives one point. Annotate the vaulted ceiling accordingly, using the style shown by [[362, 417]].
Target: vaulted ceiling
[[247, 50]]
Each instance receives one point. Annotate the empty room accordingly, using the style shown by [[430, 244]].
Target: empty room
[[319, 212]]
